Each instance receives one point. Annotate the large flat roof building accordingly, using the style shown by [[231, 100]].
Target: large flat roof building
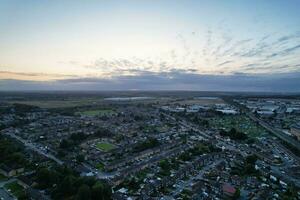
[[295, 130]]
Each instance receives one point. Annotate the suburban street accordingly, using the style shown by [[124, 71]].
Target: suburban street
[[187, 183], [33, 147]]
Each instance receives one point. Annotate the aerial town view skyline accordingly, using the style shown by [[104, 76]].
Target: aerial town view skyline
[[150, 100]]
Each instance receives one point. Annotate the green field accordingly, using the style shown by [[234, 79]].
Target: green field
[[105, 146], [16, 189], [97, 112], [66, 103], [240, 123]]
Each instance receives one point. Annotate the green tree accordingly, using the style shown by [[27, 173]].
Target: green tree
[[46, 178], [101, 191], [67, 185], [84, 193], [237, 194], [164, 164], [80, 158]]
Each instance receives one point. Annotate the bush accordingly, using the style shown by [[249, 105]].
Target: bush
[[234, 134], [148, 144]]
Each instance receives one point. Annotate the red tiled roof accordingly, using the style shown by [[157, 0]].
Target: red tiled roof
[[228, 189]]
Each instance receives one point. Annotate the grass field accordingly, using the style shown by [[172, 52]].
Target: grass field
[[60, 103], [240, 123], [14, 188], [97, 112], [105, 146]]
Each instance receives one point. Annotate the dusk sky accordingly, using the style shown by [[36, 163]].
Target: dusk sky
[[233, 45]]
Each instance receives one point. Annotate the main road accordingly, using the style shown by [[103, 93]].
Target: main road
[[275, 131]]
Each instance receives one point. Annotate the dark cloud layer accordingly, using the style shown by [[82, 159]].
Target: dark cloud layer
[[174, 80]]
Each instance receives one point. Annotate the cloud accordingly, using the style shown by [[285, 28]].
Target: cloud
[[33, 76], [173, 80], [224, 63], [215, 51], [288, 50], [288, 37], [285, 52]]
